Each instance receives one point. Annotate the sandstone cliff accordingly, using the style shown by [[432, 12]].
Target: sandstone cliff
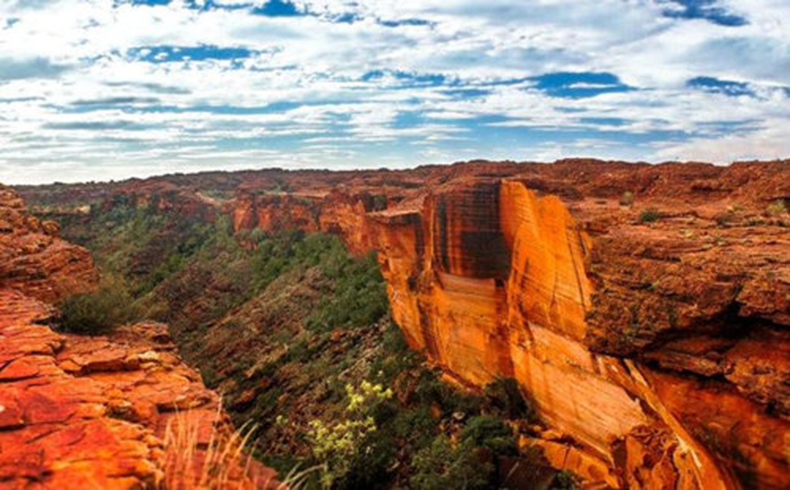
[[651, 333], [545, 277], [644, 309], [117, 411]]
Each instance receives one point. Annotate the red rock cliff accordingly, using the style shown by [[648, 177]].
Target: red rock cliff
[[644, 309], [658, 351], [91, 412], [32, 257]]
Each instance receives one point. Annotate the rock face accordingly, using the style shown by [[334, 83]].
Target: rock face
[[658, 349], [644, 309], [32, 257], [332, 212], [91, 412], [492, 278]]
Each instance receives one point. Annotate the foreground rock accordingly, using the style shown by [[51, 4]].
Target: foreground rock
[[116, 411], [98, 412]]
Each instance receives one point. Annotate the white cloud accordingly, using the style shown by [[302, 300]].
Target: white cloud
[[60, 55]]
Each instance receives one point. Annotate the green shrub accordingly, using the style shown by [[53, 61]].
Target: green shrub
[[565, 480], [359, 298], [441, 466], [505, 399], [338, 446], [649, 215], [98, 312], [490, 432]]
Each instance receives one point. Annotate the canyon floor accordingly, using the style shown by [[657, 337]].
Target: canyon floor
[[479, 325]]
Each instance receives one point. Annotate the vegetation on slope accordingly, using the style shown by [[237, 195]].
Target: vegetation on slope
[[290, 328], [97, 312]]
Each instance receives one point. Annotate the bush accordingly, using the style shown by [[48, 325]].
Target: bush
[[649, 215], [490, 432], [565, 480], [506, 400], [776, 208], [337, 447], [441, 466], [98, 312], [627, 198], [359, 298]]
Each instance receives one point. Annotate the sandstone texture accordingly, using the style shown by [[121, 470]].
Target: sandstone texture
[[85, 412], [644, 309], [34, 260]]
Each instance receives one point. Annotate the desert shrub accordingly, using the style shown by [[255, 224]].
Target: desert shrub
[[99, 311], [627, 199], [649, 215], [359, 296], [224, 462], [776, 208], [565, 480], [442, 466], [490, 432], [338, 446]]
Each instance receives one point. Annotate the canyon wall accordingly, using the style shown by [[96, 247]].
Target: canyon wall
[[656, 349], [644, 309], [95, 412]]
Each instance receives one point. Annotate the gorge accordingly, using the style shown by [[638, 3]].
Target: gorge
[[642, 310]]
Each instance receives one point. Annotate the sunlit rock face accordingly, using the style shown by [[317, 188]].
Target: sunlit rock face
[[80, 411], [492, 279], [333, 212], [655, 345], [488, 279]]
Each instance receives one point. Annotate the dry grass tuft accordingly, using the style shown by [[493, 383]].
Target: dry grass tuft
[[202, 454]]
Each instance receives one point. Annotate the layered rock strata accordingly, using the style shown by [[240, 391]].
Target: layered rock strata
[[117, 411], [34, 260], [644, 309]]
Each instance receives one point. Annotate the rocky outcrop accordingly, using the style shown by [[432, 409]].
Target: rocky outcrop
[[339, 213], [34, 260], [100, 412], [164, 197], [117, 411]]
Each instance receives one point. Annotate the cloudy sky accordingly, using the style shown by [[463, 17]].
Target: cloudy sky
[[106, 89]]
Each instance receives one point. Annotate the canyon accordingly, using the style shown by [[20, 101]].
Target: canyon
[[105, 412], [642, 309]]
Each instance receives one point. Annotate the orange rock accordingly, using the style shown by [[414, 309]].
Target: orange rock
[[658, 348], [92, 412], [36, 261]]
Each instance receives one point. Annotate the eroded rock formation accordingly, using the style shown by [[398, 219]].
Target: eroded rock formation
[[34, 260], [117, 411], [657, 350], [644, 309], [493, 278]]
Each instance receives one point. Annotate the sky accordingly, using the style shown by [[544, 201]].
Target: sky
[[110, 89]]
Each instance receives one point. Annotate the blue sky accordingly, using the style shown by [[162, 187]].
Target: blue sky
[[108, 89]]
